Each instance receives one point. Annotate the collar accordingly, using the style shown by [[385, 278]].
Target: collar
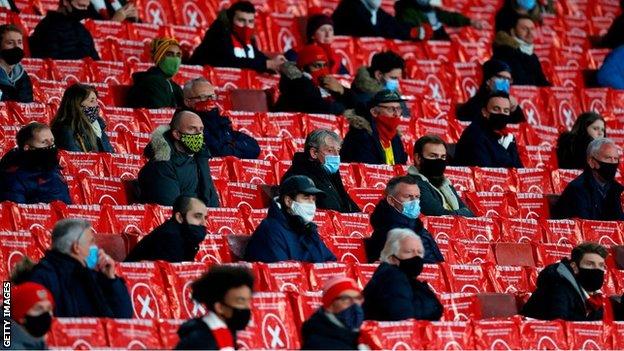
[[213, 321]]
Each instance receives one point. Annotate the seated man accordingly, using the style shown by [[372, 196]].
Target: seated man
[[288, 233], [570, 289], [486, 142], [30, 173], [400, 209], [595, 194], [176, 240], [320, 161], [230, 42], [394, 293], [15, 84], [437, 195], [335, 325], [219, 136], [177, 163], [155, 87], [80, 276], [374, 138]]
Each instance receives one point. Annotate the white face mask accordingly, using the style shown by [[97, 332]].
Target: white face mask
[[524, 46], [304, 210]]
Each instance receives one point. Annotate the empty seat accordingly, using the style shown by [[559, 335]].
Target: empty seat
[[113, 244], [514, 254], [249, 100], [497, 305]]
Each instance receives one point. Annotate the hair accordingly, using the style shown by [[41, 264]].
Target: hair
[[385, 62], [5, 28], [213, 285], [393, 242], [66, 232], [242, 6], [495, 94], [317, 137], [70, 113], [27, 133], [394, 182], [182, 204], [584, 120], [177, 117], [519, 17], [588, 247], [188, 86], [595, 145], [419, 145]]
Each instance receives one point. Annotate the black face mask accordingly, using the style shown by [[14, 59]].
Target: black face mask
[[432, 167], [498, 121], [45, 158], [590, 279], [78, 14], [607, 170], [412, 267], [196, 233], [240, 318], [38, 326], [12, 56]]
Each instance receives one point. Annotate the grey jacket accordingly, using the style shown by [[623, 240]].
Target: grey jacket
[[22, 340], [433, 200]]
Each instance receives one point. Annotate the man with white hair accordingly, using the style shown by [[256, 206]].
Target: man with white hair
[[595, 194], [394, 293], [81, 276]]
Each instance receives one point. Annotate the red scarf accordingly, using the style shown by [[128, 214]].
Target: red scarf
[[334, 59], [387, 128], [594, 302], [223, 336]]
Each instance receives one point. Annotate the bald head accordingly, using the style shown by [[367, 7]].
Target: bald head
[[186, 122]]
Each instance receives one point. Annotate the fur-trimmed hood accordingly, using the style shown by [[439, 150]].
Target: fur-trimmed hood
[[159, 147], [505, 39], [358, 122], [365, 82]]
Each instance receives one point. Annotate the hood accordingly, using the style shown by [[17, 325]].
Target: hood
[[386, 217], [159, 147], [365, 82], [505, 39], [559, 273], [358, 122], [16, 73]]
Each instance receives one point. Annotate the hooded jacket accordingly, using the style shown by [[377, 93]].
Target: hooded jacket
[[284, 237], [170, 173], [154, 89], [611, 73], [336, 198], [559, 296], [17, 86], [319, 332], [353, 18], [525, 69], [222, 140], [385, 218], [61, 37], [435, 200], [478, 146], [364, 87], [470, 111], [66, 139], [22, 340]]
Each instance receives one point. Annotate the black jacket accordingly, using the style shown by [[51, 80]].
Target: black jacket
[[615, 35], [384, 218], [572, 151], [153, 89], [320, 333], [61, 37], [559, 296], [222, 140], [478, 146], [431, 202], [506, 15], [196, 335], [470, 111], [582, 199], [170, 173], [292, 56], [525, 69], [352, 18], [66, 139], [391, 296], [79, 291], [336, 198], [18, 87]]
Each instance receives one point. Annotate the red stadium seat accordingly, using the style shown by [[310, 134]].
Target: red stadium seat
[[284, 277], [78, 333], [530, 206], [490, 204], [552, 253], [214, 249], [168, 329], [543, 335], [364, 272], [497, 334], [319, 273], [449, 335], [249, 100], [509, 279], [480, 229], [472, 252], [459, 307], [602, 232], [467, 278], [588, 335], [374, 176], [113, 244], [178, 278], [562, 232], [397, 335], [514, 254], [14, 246], [347, 249], [304, 305], [561, 178], [225, 221], [133, 334], [366, 198], [461, 177], [147, 289], [353, 225]]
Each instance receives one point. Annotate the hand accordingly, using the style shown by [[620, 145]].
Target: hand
[[105, 265], [332, 84], [128, 11], [478, 24], [275, 63]]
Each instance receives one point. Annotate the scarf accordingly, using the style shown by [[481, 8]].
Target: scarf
[[525, 47], [223, 335], [242, 51]]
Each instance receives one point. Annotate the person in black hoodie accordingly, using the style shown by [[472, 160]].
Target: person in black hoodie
[[572, 145], [176, 240], [15, 84], [570, 289], [400, 208], [226, 293], [320, 161]]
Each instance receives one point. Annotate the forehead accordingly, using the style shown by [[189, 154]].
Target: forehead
[[609, 149], [325, 27], [504, 74], [389, 104], [407, 188], [244, 15], [173, 48], [11, 35], [410, 243], [330, 142], [44, 133], [499, 101], [592, 257], [197, 206], [437, 148], [190, 119], [202, 87], [525, 23]]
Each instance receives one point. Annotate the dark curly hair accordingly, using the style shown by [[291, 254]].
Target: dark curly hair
[[212, 287]]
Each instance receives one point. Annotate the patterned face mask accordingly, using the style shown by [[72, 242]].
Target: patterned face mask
[[92, 112], [193, 142]]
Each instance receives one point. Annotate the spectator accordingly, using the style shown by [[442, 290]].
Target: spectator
[[15, 84], [31, 316], [375, 138], [400, 208], [320, 31], [486, 142], [81, 276], [30, 173], [615, 35], [114, 10], [155, 87], [437, 195], [516, 48], [219, 136], [336, 324], [611, 73], [78, 124], [176, 240], [496, 78], [309, 87], [61, 36], [288, 233], [394, 292], [570, 289], [511, 9], [572, 145], [320, 161], [226, 292], [230, 42], [595, 194], [177, 163]]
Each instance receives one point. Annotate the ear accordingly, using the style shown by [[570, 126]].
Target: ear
[[485, 113], [75, 247], [218, 308], [288, 201], [378, 75], [26, 147], [373, 112], [176, 134], [575, 268], [314, 153], [592, 163], [179, 218], [417, 159]]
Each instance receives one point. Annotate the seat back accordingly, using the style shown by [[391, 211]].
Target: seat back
[[497, 305], [249, 100], [119, 94], [113, 244], [514, 254]]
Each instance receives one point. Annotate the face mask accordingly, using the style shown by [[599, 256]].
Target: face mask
[[12, 56], [318, 74], [432, 167], [196, 233], [372, 4], [411, 209], [352, 317], [38, 326], [304, 210], [170, 65], [92, 113], [92, 259], [590, 279], [387, 127], [243, 33], [45, 158], [412, 267], [500, 84], [526, 5], [239, 319], [498, 121], [607, 170], [332, 163], [193, 142], [392, 84]]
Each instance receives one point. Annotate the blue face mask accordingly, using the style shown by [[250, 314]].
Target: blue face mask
[[392, 84], [332, 163], [92, 258], [527, 5], [352, 317], [411, 209], [500, 84]]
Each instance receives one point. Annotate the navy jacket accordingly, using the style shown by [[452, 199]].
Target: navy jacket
[[320, 333], [61, 37], [470, 111], [478, 146], [169, 242], [581, 199], [65, 139], [222, 140], [283, 237], [362, 146], [352, 18], [79, 291], [18, 87], [196, 335], [384, 218], [391, 296]]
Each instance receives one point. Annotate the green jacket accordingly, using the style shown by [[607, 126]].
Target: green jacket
[[408, 11], [153, 89]]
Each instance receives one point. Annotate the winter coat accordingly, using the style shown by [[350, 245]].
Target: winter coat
[[478, 146], [222, 140], [409, 12], [559, 296], [582, 199], [611, 73], [431, 198], [505, 17], [362, 144], [22, 185], [292, 56], [169, 242], [364, 87], [352, 18], [525, 69], [79, 291], [22, 340], [336, 198], [154, 89], [170, 173], [572, 151], [385, 218], [319, 332], [391, 296], [66, 139], [470, 111], [217, 49], [284, 237], [17, 87], [196, 335], [615, 34], [61, 37]]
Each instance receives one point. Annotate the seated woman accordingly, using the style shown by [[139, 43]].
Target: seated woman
[[78, 125], [572, 145]]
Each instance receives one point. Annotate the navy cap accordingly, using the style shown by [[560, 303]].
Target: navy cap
[[385, 95], [299, 184]]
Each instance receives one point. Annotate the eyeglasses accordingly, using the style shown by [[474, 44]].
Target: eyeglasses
[[204, 97], [350, 299], [395, 110]]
